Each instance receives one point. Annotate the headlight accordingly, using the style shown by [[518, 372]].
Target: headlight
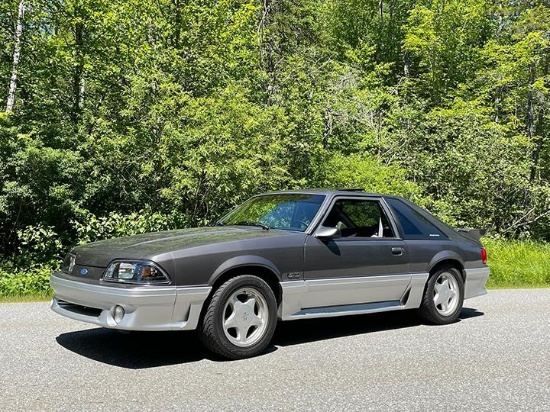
[[68, 263], [138, 272]]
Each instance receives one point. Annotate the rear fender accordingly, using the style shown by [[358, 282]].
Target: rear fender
[[446, 255]]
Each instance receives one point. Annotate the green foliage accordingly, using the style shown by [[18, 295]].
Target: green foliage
[[369, 174], [518, 264], [133, 116], [443, 40], [33, 282], [38, 244], [444, 155], [39, 186], [92, 228]]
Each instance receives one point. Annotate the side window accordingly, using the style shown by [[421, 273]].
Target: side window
[[415, 226], [359, 218]]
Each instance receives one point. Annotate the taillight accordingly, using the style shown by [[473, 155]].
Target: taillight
[[483, 255]]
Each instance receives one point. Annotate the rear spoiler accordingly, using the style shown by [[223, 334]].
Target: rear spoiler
[[471, 233]]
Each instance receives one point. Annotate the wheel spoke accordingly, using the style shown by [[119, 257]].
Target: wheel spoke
[[444, 285], [251, 303], [438, 299], [442, 294], [242, 334], [256, 320], [231, 321], [234, 302], [445, 305]]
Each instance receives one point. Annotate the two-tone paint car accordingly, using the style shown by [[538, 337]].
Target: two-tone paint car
[[279, 256]]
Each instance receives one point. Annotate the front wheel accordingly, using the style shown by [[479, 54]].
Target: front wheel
[[443, 297], [240, 319]]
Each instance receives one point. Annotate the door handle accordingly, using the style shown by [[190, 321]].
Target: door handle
[[397, 251]]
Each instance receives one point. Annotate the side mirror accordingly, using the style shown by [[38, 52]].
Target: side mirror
[[325, 233]]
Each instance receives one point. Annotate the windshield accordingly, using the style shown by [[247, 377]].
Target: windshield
[[278, 211]]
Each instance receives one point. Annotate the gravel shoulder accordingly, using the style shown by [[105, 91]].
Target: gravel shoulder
[[495, 358]]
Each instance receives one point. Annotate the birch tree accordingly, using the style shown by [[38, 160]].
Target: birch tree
[[16, 56]]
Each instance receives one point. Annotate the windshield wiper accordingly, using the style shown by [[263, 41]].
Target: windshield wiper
[[247, 223]]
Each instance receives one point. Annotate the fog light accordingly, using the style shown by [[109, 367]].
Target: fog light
[[119, 314]]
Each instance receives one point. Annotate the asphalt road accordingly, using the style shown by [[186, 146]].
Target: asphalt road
[[496, 358]]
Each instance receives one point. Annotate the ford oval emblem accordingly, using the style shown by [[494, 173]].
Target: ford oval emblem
[[84, 271]]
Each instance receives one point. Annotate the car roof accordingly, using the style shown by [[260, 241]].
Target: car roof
[[329, 192], [351, 192]]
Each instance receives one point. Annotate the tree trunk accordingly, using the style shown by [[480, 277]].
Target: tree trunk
[[267, 48], [530, 128], [539, 140], [78, 73], [540, 129], [177, 21], [530, 98], [16, 56]]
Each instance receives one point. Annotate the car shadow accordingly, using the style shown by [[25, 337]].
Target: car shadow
[[303, 331], [469, 313], [142, 350], [135, 350], [310, 330]]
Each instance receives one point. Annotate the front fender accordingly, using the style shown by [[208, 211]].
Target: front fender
[[241, 261]]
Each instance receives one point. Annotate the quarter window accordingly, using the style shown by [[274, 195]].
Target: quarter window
[[415, 226]]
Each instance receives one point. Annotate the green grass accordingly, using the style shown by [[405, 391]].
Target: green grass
[[25, 298], [516, 264]]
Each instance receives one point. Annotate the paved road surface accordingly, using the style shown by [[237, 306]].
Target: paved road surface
[[497, 358]]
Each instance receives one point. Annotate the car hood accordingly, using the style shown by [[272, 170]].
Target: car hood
[[149, 245]]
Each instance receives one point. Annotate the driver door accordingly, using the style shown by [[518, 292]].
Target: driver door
[[367, 263]]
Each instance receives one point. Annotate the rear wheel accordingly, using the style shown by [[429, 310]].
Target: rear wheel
[[240, 319], [443, 297]]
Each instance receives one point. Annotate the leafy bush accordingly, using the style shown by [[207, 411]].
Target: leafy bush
[[32, 282], [92, 228], [367, 173], [38, 244]]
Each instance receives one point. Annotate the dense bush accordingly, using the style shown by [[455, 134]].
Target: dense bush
[[33, 282]]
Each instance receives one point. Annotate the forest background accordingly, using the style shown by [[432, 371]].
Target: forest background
[[125, 116]]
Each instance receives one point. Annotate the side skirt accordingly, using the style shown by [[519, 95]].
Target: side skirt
[[294, 291], [343, 310]]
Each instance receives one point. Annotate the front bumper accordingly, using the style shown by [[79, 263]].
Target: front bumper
[[147, 308]]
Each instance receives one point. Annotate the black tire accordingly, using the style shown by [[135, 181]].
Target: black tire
[[443, 307], [248, 303]]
